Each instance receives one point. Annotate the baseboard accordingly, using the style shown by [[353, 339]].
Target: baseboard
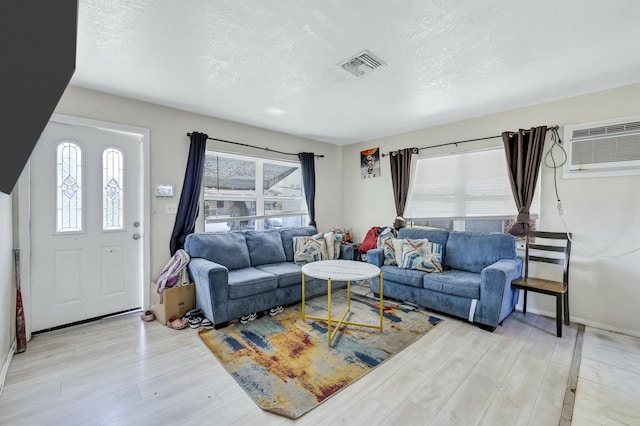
[[583, 321], [7, 362]]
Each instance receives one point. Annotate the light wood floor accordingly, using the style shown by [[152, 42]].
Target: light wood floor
[[123, 371]]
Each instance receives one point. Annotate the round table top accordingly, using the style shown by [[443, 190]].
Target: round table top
[[340, 270]]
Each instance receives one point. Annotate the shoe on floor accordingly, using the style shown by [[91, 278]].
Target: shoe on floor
[[276, 310], [197, 312], [194, 321], [206, 324], [148, 316], [177, 323], [246, 318]]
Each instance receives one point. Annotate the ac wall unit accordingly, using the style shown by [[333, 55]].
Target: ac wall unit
[[603, 148]]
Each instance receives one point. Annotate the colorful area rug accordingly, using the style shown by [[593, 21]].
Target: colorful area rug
[[285, 363]]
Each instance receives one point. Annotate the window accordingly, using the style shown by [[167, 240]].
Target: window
[[251, 193], [112, 190], [68, 187], [468, 191]]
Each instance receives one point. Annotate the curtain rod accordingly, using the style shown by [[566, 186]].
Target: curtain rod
[[256, 147], [556, 127]]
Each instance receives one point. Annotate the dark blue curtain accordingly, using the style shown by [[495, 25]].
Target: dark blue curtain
[[307, 163], [188, 207]]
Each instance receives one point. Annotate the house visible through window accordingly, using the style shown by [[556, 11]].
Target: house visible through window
[[468, 191], [243, 192]]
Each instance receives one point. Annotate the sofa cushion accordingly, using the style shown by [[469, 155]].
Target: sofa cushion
[[474, 251], [264, 247], [226, 248], [457, 283], [309, 249], [287, 235], [249, 281], [287, 273], [408, 277], [421, 255]]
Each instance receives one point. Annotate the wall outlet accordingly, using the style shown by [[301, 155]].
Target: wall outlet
[[171, 208]]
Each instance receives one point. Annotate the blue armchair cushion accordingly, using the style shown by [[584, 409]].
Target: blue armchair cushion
[[265, 247], [207, 245], [422, 255]]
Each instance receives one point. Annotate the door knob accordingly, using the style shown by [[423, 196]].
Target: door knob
[[136, 236]]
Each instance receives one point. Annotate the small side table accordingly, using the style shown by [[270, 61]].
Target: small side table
[[350, 251], [340, 270]]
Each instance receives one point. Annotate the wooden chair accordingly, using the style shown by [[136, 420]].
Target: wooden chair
[[556, 250]]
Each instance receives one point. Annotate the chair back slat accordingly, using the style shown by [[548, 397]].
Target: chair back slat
[[533, 246], [546, 259]]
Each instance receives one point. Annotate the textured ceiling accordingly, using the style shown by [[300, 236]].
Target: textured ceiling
[[273, 64]]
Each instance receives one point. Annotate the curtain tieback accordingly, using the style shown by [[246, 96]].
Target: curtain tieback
[[523, 216]]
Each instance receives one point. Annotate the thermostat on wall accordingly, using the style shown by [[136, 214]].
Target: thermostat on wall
[[164, 191]]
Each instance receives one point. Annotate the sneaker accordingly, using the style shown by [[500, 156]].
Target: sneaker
[[246, 318], [206, 324], [148, 316], [194, 322], [177, 323], [276, 310], [194, 313]]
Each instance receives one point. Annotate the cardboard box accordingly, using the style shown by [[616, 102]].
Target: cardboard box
[[176, 301]]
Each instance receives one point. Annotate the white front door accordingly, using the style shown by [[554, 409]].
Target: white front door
[[86, 224]]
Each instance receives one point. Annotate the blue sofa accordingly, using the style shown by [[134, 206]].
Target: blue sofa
[[475, 283], [241, 272]]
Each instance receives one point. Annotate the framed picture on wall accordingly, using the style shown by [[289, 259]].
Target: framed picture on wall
[[370, 163]]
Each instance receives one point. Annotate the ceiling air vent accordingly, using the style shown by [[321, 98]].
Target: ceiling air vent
[[362, 63]]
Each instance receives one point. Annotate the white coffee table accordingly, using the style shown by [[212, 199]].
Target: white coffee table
[[340, 270]]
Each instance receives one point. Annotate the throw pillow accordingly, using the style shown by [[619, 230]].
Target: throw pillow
[[422, 255], [309, 249], [329, 239], [337, 242], [385, 241], [397, 250]]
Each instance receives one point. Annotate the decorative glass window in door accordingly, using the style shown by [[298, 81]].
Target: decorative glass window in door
[[68, 187], [112, 190]]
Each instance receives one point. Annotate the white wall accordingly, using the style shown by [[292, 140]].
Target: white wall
[[170, 149], [7, 286], [602, 213]]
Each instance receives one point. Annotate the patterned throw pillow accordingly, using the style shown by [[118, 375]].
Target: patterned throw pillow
[[337, 242], [422, 255], [309, 249], [385, 242], [397, 250]]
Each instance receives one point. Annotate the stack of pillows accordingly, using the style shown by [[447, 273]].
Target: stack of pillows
[[322, 246], [407, 253]]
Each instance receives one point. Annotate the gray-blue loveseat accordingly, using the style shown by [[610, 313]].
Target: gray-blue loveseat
[[238, 273], [475, 283]]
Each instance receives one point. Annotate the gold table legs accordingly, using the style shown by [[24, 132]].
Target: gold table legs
[[329, 319]]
